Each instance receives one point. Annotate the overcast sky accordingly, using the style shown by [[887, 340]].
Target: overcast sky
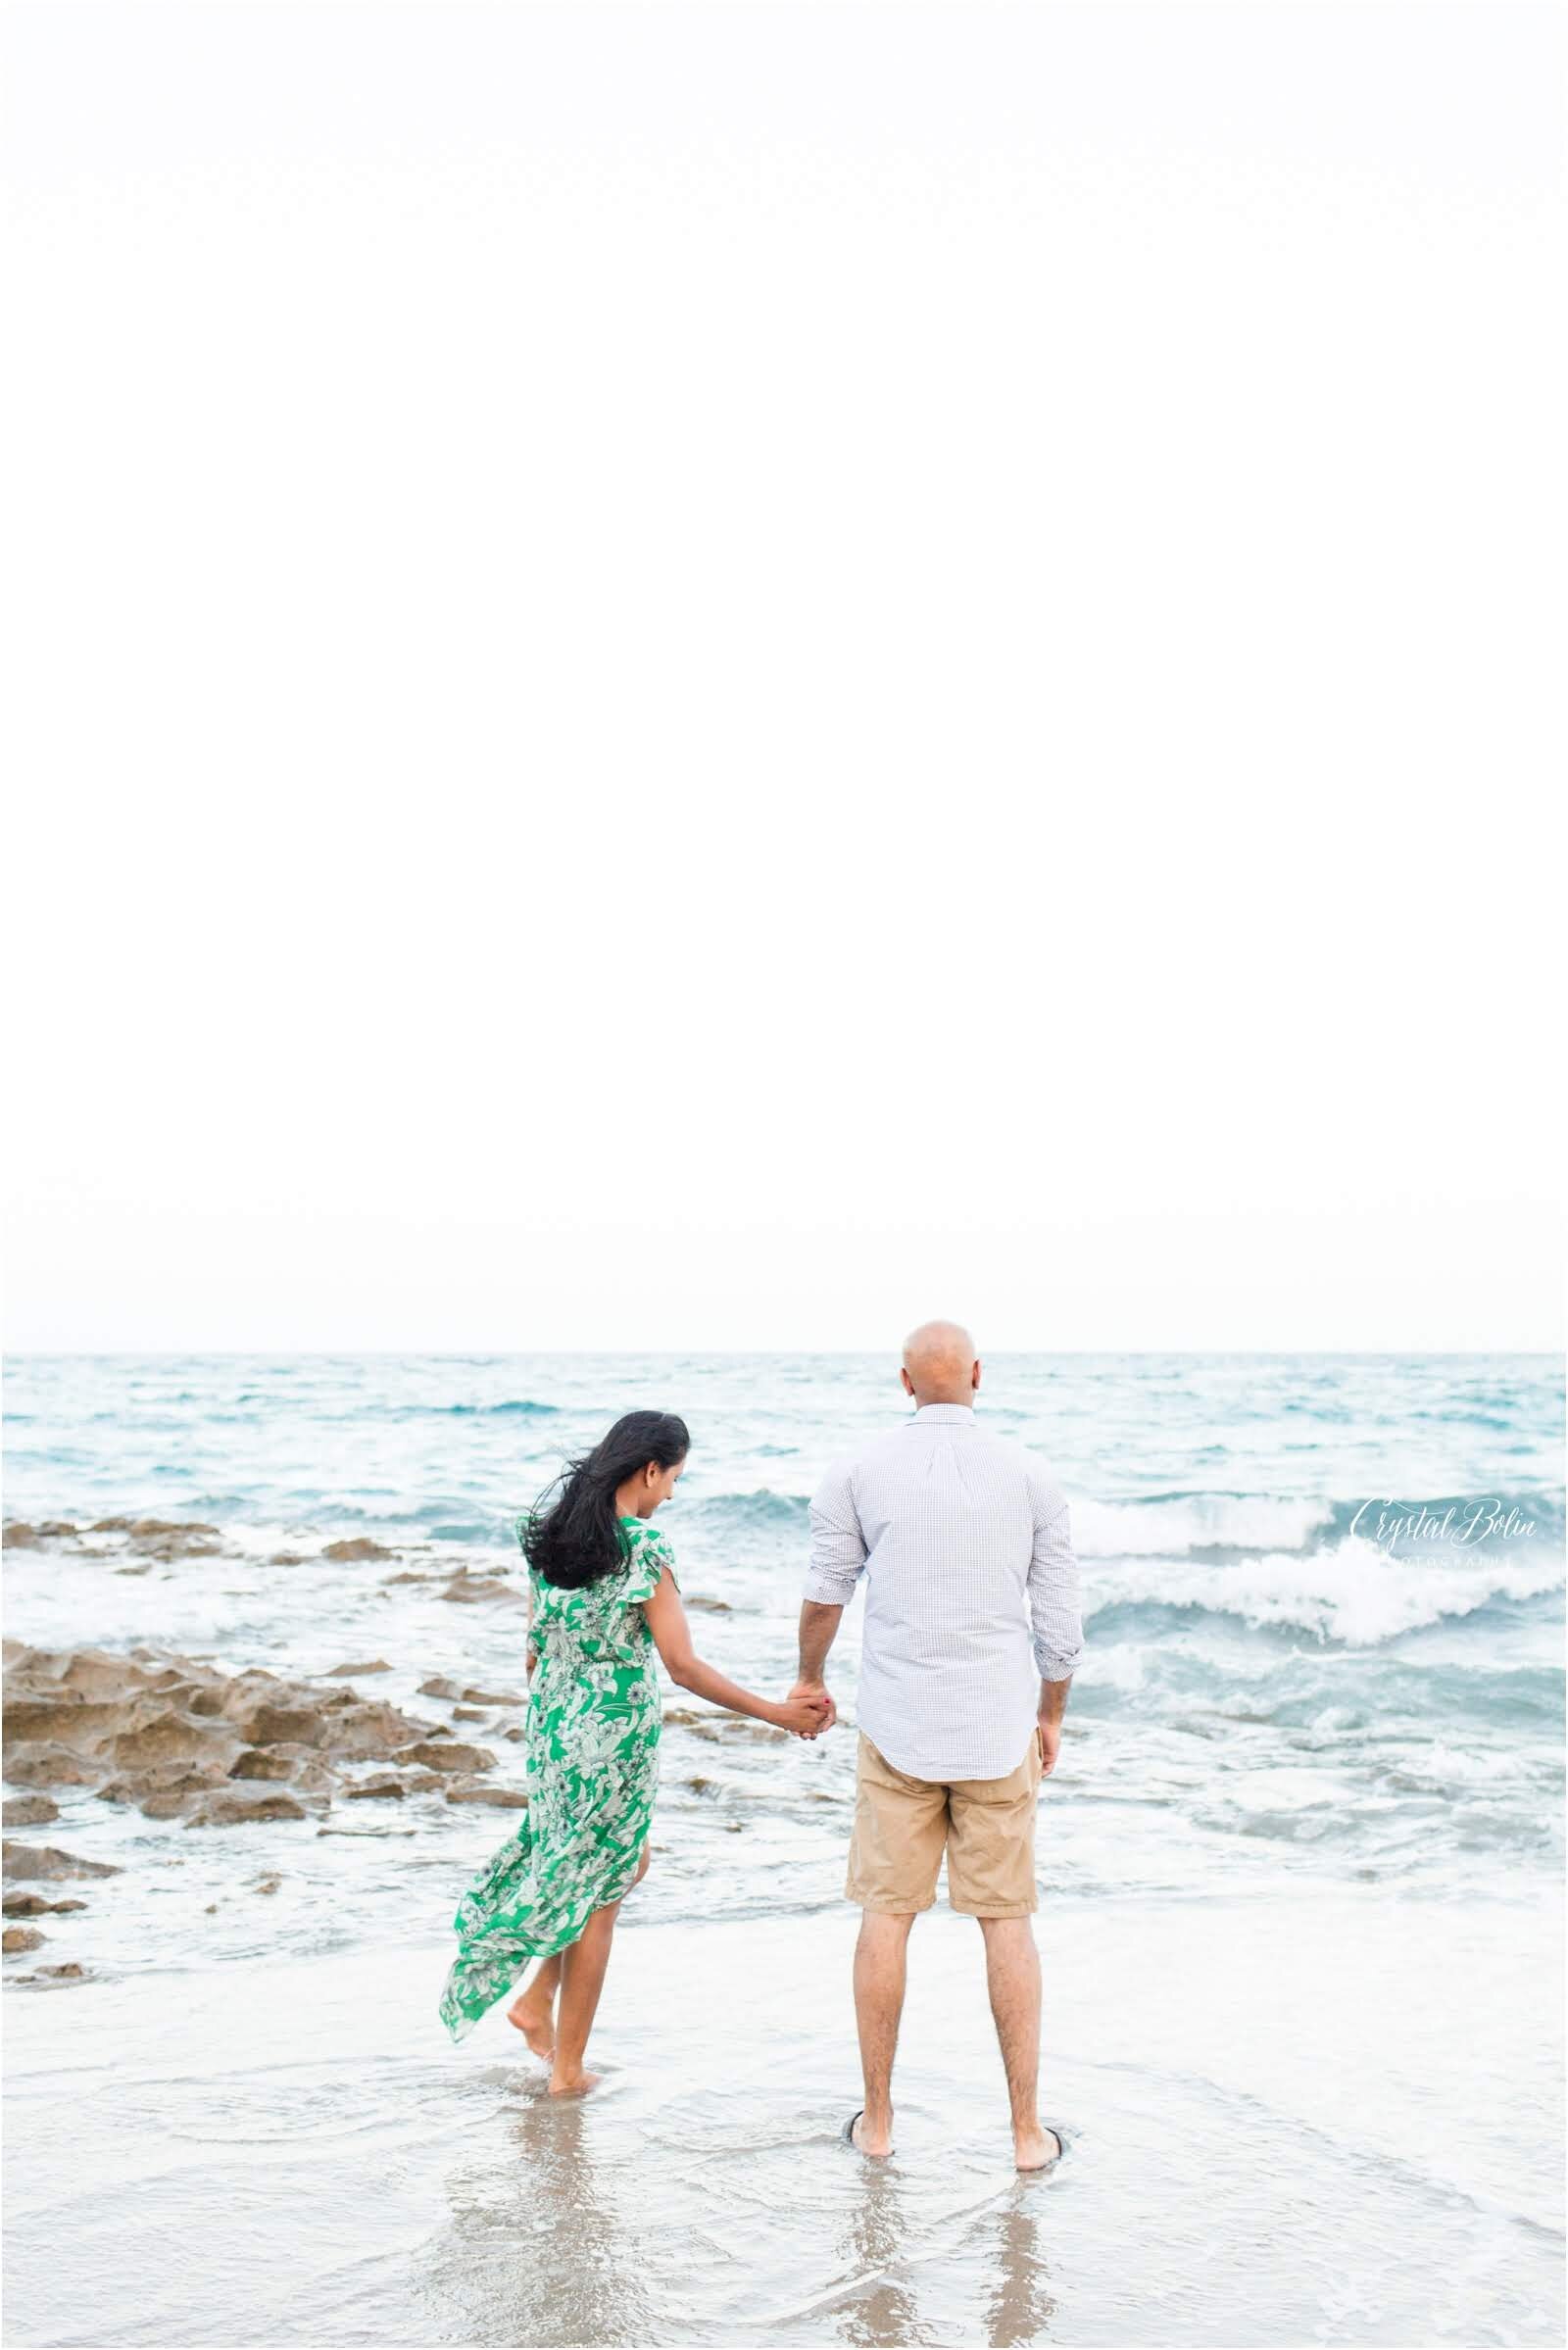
[[729, 675]]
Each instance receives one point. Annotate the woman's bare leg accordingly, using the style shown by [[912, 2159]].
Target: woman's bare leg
[[533, 2011], [582, 1978]]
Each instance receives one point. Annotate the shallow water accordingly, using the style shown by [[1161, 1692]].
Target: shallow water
[[1279, 2139], [1301, 1860]]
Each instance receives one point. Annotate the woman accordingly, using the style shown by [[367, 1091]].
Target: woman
[[603, 1583]]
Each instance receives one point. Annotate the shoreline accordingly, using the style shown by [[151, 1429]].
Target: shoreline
[[1266, 2094]]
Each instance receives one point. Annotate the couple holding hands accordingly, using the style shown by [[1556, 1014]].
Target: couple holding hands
[[972, 1632]]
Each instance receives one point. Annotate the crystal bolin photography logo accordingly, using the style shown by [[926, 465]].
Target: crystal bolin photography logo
[[1462, 1524]]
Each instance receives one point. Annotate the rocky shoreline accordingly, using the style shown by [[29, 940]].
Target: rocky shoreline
[[142, 1543], [178, 1739]]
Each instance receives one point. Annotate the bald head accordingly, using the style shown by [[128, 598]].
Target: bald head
[[940, 1366]]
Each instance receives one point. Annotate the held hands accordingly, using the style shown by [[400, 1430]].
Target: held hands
[[808, 1710]]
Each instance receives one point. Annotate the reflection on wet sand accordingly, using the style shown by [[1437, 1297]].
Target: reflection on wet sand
[[348, 2179], [909, 2263], [875, 2234], [1021, 2304], [543, 2243], [620, 2220]]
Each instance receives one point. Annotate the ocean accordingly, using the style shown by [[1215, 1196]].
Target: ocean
[[1321, 1701]]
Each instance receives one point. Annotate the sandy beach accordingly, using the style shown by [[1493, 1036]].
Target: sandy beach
[[1272, 2146], [1301, 1893]]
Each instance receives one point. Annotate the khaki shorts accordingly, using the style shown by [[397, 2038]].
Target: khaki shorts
[[901, 1825]]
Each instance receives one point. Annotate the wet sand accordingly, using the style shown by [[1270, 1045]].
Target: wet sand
[[1282, 2141]]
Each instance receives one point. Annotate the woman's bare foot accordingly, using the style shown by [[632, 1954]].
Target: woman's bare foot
[[537, 2026], [1036, 2149], [572, 2084]]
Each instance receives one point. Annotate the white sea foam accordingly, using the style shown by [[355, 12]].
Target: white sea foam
[[1351, 1592], [1195, 1522]]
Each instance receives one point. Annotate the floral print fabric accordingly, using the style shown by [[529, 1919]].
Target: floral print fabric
[[593, 1718]]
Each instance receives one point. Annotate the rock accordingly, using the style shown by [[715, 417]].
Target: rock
[[29, 1811], [67, 1719], [48, 1766], [162, 1792], [708, 1608], [66, 1973], [409, 1575], [179, 1542], [470, 1713], [343, 1671], [18, 1534], [165, 1537], [372, 1728], [20, 1938], [164, 1731], [474, 1790], [171, 1738], [152, 1528], [265, 1884], [513, 1731], [446, 1754], [440, 1686], [699, 1786], [361, 1547], [164, 1804], [47, 1860], [230, 1807], [260, 1762], [493, 1697], [33, 1905], [145, 1569], [287, 1558], [380, 1783], [464, 1585], [265, 1724]]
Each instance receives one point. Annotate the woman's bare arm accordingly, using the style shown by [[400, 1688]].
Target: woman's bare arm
[[667, 1621]]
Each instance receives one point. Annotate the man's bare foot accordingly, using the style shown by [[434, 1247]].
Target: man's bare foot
[[875, 2139], [1036, 2149], [536, 2024], [572, 2084]]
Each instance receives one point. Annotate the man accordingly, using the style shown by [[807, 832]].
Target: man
[[972, 1632]]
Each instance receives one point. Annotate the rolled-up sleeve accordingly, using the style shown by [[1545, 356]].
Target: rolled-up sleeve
[[838, 1546], [1056, 1614]]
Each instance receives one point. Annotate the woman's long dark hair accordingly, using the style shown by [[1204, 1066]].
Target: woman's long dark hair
[[579, 1538]]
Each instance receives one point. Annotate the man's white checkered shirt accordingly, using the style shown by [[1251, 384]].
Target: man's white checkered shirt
[[971, 1596]]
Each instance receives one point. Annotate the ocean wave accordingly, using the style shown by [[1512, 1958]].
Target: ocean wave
[[1354, 1594], [760, 1512], [1169, 1524], [522, 1407], [1178, 1525]]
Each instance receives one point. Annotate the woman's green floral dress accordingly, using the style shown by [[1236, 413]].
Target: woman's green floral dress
[[594, 1717]]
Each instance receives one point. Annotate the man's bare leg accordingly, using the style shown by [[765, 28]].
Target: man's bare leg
[[582, 1978], [879, 1979], [1012, 1978], [533, 2011]]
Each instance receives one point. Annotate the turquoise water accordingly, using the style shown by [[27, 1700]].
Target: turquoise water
[[1282, 1672], [1301, 1864]]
